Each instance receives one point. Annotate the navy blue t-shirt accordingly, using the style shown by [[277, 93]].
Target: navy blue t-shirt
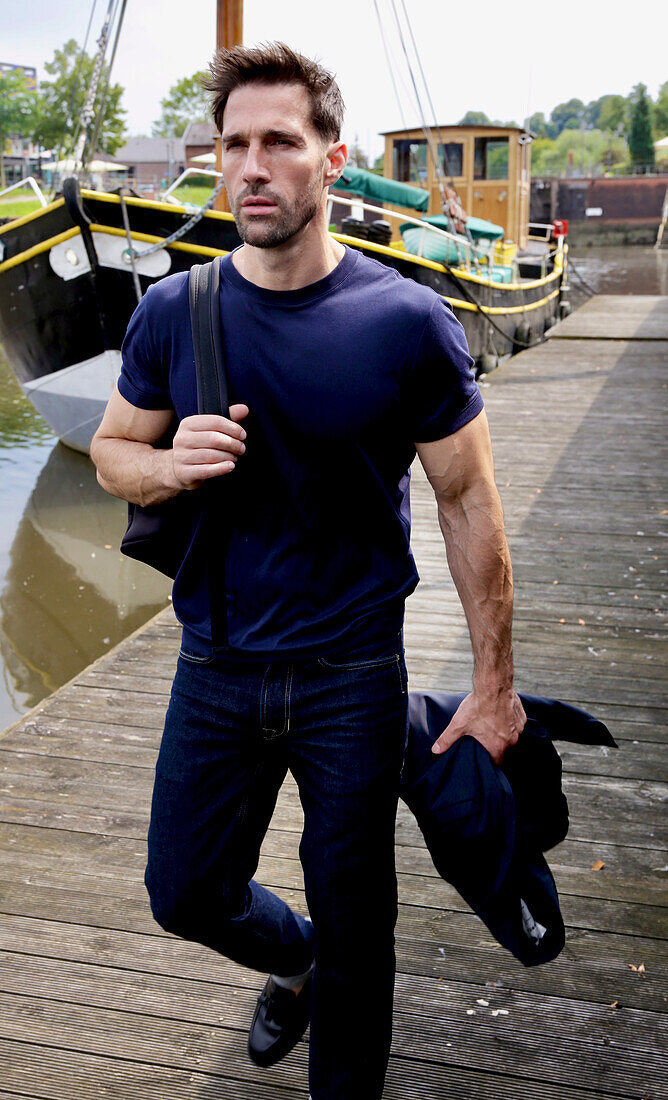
[[342, 378]]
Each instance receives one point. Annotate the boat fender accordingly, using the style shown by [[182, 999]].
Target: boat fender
[[523, 335], [565, 308], [486, 363], [79, 217]]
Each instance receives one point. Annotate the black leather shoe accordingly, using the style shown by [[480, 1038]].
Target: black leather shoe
[[280, 1020]]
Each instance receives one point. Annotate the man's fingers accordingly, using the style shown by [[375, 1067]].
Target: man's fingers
[[207, 446], [192, 476], [203, 473], [209, 443], [447, 738], [209, 422]]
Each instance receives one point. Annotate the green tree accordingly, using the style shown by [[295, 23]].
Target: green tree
[[17, 109], [568, 116], [612, 113], [474, 118], [641, 146], [187, 101], [588, 151], [357, 158], [61, 101], [661, 112], [539, 124]]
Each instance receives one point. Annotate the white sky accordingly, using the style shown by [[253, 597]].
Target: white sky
[[505, 59]]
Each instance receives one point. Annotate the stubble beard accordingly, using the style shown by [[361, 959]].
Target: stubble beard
[[270, 231]]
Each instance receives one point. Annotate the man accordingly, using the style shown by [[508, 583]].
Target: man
[[338, 369]]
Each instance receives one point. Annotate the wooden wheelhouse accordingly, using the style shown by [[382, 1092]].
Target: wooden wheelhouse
[[489, 165]]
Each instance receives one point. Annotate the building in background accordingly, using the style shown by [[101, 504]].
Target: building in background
[[153, 162], [199, 139]]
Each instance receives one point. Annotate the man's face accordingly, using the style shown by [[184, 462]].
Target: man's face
[[274, 162]]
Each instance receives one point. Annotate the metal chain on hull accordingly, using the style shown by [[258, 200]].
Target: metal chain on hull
[[179, 233]]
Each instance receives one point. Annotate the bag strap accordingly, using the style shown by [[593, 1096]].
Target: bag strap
[[207, 332], [212, 397]]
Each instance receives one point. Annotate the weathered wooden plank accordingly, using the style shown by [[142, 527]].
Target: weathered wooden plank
[[616, 317], [229, 999], [642, 760], [512, 1049], [603, 804], [57, 1075], [448, 946], [48, 1073], [19, 870], [630, 873]]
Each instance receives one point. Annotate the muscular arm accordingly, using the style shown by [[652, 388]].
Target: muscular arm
[[461, 472], [131, 467]]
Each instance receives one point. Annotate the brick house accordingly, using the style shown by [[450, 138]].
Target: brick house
[[152, 160]]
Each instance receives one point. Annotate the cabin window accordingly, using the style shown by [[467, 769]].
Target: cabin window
[[452, 158], [410, 161], [490, 159]]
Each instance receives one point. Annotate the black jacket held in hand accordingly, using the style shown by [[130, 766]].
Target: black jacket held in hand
[[487, 826]]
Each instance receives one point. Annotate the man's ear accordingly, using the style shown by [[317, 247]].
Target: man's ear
[[337, 155]]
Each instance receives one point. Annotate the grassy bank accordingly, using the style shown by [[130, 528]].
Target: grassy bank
[[16, 207]]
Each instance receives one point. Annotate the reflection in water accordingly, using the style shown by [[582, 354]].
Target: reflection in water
[[68, 593]]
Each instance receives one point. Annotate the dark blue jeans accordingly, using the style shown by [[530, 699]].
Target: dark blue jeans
[[233, 730]]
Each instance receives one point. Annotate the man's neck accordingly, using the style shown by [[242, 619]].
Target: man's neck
[[304, 259]]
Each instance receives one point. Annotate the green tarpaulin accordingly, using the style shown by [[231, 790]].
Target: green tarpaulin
[[477, 227], [370, 186]]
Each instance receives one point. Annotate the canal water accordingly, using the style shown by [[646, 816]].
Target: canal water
[[66, 593]]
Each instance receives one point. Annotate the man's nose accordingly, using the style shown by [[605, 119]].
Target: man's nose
[[256, 167]]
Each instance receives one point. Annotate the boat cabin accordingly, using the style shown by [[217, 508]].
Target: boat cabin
[[490, 167]]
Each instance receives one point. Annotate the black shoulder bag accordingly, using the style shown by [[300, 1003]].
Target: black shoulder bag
[[160, 534]]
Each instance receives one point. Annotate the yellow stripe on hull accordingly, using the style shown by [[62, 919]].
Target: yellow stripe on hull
[[23, 257], [148, 238], [15, 222], [501, 310]]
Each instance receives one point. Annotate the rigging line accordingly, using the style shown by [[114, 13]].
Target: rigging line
[[437, 164], [389, 65], [97, 62], [429, 137], [416, 93], [99, 121], [578, 276], [86, 114], [429, 99], [70, 107]]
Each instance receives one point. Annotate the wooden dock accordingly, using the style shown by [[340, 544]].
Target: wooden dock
[[95, 1001]]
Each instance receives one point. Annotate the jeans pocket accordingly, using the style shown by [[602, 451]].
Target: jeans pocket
[[364, 662], [195, 658], [389, 662]]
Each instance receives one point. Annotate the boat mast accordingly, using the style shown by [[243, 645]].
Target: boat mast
[[229, 32], [229, 23]]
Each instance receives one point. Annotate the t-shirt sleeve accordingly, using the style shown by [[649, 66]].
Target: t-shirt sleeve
[[144, 378], [442, 394]]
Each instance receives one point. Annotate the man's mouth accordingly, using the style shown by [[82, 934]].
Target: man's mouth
[[257, 204]]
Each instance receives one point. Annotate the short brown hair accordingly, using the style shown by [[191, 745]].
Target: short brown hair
[[276, 63]]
